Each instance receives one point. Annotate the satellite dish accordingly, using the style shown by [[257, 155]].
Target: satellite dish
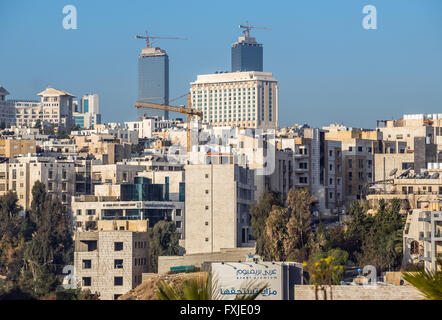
[[393, 172]]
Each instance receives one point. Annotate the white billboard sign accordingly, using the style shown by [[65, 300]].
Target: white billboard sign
[[234, 279]]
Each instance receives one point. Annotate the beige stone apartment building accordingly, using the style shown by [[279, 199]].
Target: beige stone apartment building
[[411, 126], [112, 259], [218, 199], [10, 148], [103, 147], [358, 149], [317, 166], [21, 175]]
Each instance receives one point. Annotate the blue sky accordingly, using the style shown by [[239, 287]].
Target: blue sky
[[329, 68]]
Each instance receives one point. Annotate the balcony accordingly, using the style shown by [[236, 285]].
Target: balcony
[[424, 217]]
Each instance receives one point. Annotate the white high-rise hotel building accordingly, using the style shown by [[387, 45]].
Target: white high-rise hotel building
[[237, 99]]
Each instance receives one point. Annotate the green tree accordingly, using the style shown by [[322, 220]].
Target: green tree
[[42, 246], [163, 241], [288, 230], [258, 216]]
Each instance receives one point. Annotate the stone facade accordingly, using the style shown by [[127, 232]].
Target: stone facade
[[111, 261], [378, 292]]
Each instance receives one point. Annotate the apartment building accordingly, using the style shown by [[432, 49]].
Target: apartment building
[[358, 148], [21, 175], [115, 173], [393, 158], [411, 126], [11, 148], [54, 108], [141, 200], [413, 190], [103, 147], [423, 235], [218, 199], [317, 166], [237, 99], [111, 260]]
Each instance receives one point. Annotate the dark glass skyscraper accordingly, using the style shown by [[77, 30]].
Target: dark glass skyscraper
[[247, 55], [153, 80]]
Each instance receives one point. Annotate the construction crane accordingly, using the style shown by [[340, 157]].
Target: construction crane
[[248, 28], [147, 38], [189, 112]]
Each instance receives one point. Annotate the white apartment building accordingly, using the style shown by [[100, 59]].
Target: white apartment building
[[423, 235], [55, 108], [144, 127], [237, 99]]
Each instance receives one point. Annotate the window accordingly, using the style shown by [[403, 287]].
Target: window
[[207, 223], [118, 264], [118, 246], [207, 176], [87, 264], [118, 281], [178, 224], [360, 149], [207, 191], [207, 239], [91, 245], [87, 281], [116, 296]]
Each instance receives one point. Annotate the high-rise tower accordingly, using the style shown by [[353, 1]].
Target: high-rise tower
[[153, 79], [247, 53]]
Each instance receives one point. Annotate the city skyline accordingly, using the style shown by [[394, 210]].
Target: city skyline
[[373, 74]]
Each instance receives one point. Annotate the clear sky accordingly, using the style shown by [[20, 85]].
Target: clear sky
[[329, 68]]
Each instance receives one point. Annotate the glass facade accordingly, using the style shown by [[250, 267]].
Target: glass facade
[[247, 57], [79, 121], [85, 106], [153, 83], [144, 190]]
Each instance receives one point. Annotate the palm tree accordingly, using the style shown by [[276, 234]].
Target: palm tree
[[429, 283], [204, 287]]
